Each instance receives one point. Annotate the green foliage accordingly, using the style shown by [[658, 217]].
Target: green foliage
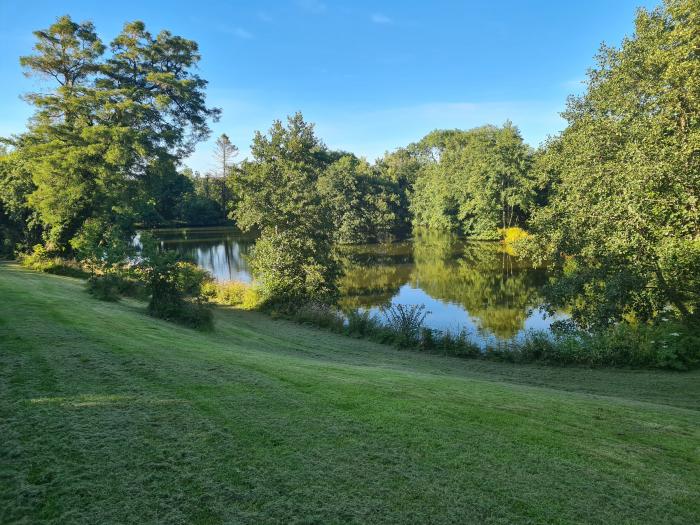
[[473, 182], [364, 206], [19, 228], [665, 345], [200, 206], [42, 260], [293, 260], [101, 245], [125, 121], [623, 223], [406, 323], [232, 293], [291, 270], [362, 323], [168, 194], [105, 287], [175, 287], [278, 190], [321, 315]]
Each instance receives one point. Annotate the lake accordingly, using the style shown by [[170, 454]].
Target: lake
[[474, 286]]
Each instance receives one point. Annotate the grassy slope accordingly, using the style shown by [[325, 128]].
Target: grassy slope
[[107, 415]]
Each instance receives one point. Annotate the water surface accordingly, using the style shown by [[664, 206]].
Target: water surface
[[472, 286]]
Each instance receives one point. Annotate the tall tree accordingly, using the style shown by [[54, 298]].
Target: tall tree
[[474, 181], [224, 153], [19, 227], [108, 125], [293, 259], [363, 204], [67, 51], [622, 228]]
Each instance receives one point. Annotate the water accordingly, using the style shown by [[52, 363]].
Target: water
[[221, 251], [474, 286]]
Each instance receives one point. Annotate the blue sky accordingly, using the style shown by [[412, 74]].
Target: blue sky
[[373, 76]]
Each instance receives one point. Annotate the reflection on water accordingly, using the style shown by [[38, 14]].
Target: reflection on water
[[464, 285], [221, 251]]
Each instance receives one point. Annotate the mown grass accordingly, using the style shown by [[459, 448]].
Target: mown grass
[[110, 416]]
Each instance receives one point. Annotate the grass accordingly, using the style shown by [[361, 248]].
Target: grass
[[110, 416]]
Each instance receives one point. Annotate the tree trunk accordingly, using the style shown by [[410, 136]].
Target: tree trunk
[[672, 295]]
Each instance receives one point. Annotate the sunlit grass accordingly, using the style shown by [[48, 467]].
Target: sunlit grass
[[110, 416]]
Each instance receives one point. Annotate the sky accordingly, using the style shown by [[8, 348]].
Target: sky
[[372, 76]]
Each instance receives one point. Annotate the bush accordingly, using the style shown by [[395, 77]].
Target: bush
[[42, 260], [361, 323], [406, 323], [292, 270], [175, 286], [232, 293], [319, 314], [458, 344], [104, 287], [669, 346], [113, 285]]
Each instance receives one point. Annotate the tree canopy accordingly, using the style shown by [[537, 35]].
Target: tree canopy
[[112, 127], [473, 182], [623, 222]]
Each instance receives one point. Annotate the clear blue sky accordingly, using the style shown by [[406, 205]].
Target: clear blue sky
[[372, 75]]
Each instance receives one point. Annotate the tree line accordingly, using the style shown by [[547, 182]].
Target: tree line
[[611, 204]]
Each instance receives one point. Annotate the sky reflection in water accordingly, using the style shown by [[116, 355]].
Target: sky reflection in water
[[464, 285]]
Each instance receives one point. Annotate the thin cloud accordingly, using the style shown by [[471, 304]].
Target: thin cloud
[[238, 31], [242, 33], [312, 6], [379, 18], [265, 17]]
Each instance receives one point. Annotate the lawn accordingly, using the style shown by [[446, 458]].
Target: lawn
[[110, 416]]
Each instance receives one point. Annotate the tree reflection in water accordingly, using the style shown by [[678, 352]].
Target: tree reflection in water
[[471, 285]]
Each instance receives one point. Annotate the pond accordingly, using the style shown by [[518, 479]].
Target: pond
[[474, 286]]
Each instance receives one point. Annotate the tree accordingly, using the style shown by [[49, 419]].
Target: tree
[[106, 130], [362, 204], [67, 51], [622, 228], [293, 259], [473, 182], [167, 189], [19, 227], [224, 153]]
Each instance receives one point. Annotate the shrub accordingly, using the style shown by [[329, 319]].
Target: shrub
[[115, 284], [513, 235], [669, 346], [232, 293], [104, 287], [175, 286], [463, 346], [666, 345], [361, 323], [319, 314], [43, 260], [293, 269], [101, 245], [406, 322], [428, 339]]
